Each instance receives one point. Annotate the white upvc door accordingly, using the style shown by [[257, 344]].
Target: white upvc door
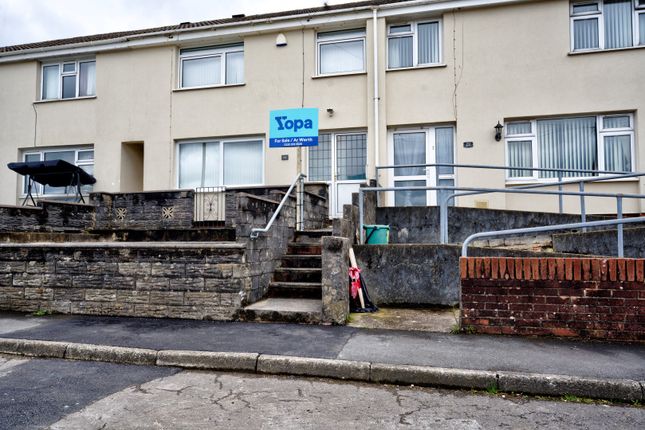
[[340, 161], [426, 145]]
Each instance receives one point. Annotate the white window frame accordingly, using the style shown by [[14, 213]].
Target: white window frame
[[198, 53], [38, 189], [601, 133], [341, 36], [415, 42], [61, 74], [222, 142], [638, 7], [431, 148]]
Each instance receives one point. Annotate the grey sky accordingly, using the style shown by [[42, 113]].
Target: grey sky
[[24, 21]]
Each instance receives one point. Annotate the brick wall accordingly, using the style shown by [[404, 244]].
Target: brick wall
[[170, 280], [601, 298]]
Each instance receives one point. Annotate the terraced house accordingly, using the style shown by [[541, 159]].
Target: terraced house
[[395, 82]]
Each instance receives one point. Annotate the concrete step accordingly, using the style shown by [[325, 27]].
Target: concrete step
[[293, 274], [312, 236], [301, 290], [303, 261], [304, 249], [303, 311]]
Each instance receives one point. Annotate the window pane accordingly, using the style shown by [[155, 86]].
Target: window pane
[[585, 7], [201, 72], [618, 155], [399, 52], [69, 87], [351, 156], [410, 198], [441, 194], [567, 144], [520, 154], [36, 189], [211, 164], [428, 43], [190, 165], [514, 128], [89, 168], [445, 149], [615, 121], [342, 57], [50, 82], [69, 68], [342, 34], [585, 34], [85, 155], [87, 79], [400, 29], [409, 148], [235, 67], [641, 26], [618, 23], [320, 159], [69, 156], [243, 163]]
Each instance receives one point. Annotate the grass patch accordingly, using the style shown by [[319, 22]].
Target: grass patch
[[41, 313], [492, 389]]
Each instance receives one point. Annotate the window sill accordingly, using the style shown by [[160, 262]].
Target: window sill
[[208, 87], [425, 66], [597, 51], [334, 75], [63, 100]]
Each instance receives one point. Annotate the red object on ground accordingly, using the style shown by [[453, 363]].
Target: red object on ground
[[355, 275]]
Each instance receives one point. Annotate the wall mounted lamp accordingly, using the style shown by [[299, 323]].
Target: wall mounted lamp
[[330, 112], [498, 131]]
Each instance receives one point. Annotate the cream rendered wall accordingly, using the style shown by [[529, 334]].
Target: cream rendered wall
[[513, 62]]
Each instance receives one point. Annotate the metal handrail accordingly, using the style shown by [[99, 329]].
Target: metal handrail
[[300, 205], [514, 232], [494, 167], [444, 219]]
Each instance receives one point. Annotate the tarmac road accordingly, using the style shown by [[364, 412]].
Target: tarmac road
[[66, 394]]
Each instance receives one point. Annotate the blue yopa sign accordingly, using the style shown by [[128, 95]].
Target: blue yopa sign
[[293, 128]]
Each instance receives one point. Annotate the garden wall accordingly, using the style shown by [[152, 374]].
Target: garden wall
[[596, 298]]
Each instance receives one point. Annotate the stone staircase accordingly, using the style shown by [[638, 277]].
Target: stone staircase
[[295, 294]]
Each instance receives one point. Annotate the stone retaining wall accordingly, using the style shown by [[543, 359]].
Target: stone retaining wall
[[47, 216], [574, 297], [175, 280]]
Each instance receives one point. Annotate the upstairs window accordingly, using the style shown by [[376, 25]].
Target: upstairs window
[[341, 51], [414, 44], [607, 24], [604, 142], [211, 66], [68, 80]]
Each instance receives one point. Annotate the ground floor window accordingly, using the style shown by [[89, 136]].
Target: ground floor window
[[82, 157], [425, 145], [211, 163], [599, 142]]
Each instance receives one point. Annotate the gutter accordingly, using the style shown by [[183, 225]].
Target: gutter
[[388, 9]]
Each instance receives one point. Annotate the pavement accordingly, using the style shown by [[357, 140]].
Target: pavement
[[542, 366]]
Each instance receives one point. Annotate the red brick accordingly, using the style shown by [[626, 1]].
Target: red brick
[[595, 269], [463, 268], [471, 267], [478, 267], [640, 270], [544, 268], [626, 294], [510, 268], [494, 270], [489, 330], [526, 266], [586, 269], [502, 269], [612, 273], [508, 330], [563, 332], [622, 271], [604, 269], [560, 269], [568, 269], [481, 322], [553, 268], [487, 269], [631, 269], [577, 269]]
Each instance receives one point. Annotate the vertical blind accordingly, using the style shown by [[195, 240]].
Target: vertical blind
[[568, 143], [618, 23], [235, 67], [243, 162], [342, 57], [445, 148], [585, 34], [618, 153], [50, 82], [520, 154], [428, 43], [201, 72], [87, 79], [399, 52]]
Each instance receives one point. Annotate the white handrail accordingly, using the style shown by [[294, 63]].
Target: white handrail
[[256, 231]]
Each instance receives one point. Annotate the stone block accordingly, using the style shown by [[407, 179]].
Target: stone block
[[202, 298], [211, 270], [150, 283], [432, 376], [6, 279], [186, 284], [223, 285], [11, 293], [168, 269], [135, 269], [69, 294], [27, 280], [39, 293], [155, 311], [114, 354], [185, 312], [318, 367], [60, 306], [88, 281], [224, 361], [100, 295], [335, 285], [101, 268], [167, 297], [57, 280], [119, 282], [127, 296], [71, 267]]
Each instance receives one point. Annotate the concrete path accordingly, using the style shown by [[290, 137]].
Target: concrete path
[[539, 366]]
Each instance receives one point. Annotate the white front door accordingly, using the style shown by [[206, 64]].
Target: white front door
[[426, 145], [339, 159]]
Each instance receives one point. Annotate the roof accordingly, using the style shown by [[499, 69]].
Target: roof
[[194, 25]]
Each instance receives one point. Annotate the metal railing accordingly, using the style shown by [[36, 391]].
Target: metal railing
[[299, 182], [548, 228], [210, 204]]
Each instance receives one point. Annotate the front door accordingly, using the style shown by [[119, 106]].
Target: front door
[[339, 159], [425, 145]]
